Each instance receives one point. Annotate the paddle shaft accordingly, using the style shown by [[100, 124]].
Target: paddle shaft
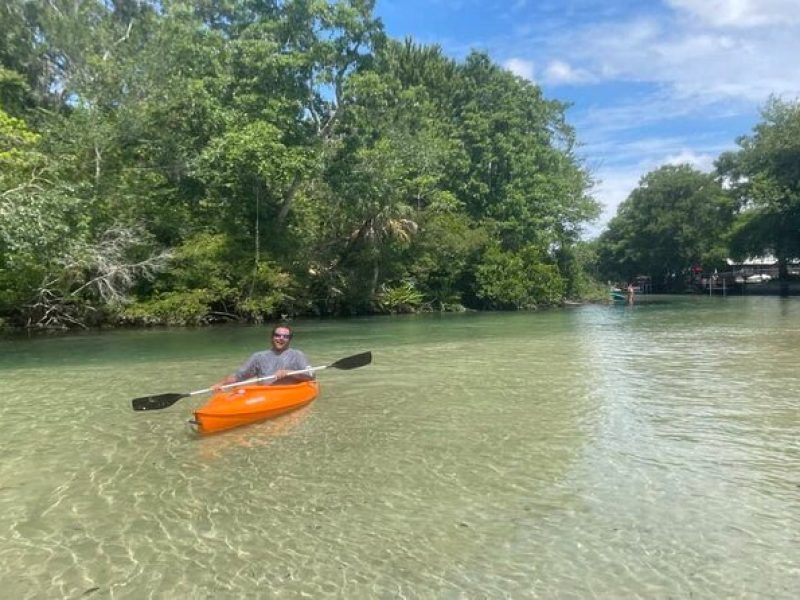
[[255, 380], [164, 400], [350, 362]]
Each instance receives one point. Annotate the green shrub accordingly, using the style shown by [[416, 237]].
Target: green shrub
[[518, 279], [171, 308], [404, 298]]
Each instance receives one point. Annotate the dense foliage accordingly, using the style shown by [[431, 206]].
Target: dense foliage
[[679, 217], [670, 222], [179, 162], [764, 178]]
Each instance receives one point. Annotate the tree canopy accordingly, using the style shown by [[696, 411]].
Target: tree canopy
[[764, 178], [748, 206], [180, 162], [668, 223]]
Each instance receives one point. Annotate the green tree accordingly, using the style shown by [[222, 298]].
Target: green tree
[[524, 184], [230, 159], [676, 217], [384, 177], [54, 271], [523, 173], [764, 177]]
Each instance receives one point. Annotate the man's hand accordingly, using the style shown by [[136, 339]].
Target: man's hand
[[217, 387]]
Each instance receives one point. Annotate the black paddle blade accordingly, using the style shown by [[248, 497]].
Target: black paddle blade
[[353, 362], [156, 402]]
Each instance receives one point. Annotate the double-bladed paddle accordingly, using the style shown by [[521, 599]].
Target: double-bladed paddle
[[164, 400]]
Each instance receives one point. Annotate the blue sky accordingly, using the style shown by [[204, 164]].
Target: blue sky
[[650, 82]]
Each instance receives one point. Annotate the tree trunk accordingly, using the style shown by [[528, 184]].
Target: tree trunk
[[375, 278], [288, 199]]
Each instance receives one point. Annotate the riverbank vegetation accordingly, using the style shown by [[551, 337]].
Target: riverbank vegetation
[[180, 162], [183, 162], [748, 206]]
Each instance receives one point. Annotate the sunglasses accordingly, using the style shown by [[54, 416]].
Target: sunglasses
[[282, 336]]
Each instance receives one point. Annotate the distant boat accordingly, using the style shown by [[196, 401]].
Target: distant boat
[[758, 278], [617, 295]]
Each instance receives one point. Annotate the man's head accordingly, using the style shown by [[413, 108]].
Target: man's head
[[281, 337]]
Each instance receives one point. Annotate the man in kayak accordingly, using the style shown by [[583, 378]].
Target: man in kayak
[[279, 360]]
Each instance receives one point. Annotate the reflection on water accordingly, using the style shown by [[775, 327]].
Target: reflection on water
[[648, 450], [214, 448]]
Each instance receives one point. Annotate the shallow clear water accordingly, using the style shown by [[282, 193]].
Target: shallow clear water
[[645, 451]]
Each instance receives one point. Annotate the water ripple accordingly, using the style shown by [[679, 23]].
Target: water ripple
[[646, 451]]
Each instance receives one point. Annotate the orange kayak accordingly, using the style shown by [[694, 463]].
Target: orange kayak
[[251, 403]]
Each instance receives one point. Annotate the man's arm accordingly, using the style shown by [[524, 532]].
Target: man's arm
[[244, 372], [223, 382], [298, 362]]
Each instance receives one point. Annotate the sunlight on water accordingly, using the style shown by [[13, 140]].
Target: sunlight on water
[[646, 451]]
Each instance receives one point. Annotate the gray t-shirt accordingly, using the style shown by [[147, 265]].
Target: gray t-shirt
[[264, 364]]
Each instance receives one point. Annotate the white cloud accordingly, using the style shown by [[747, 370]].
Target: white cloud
[[612, 189], [558, 72], [700, 161], [689, 57], [601, 123], [520, 67], [726, 67], [697, 51], [740, 13], [616, 180]]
